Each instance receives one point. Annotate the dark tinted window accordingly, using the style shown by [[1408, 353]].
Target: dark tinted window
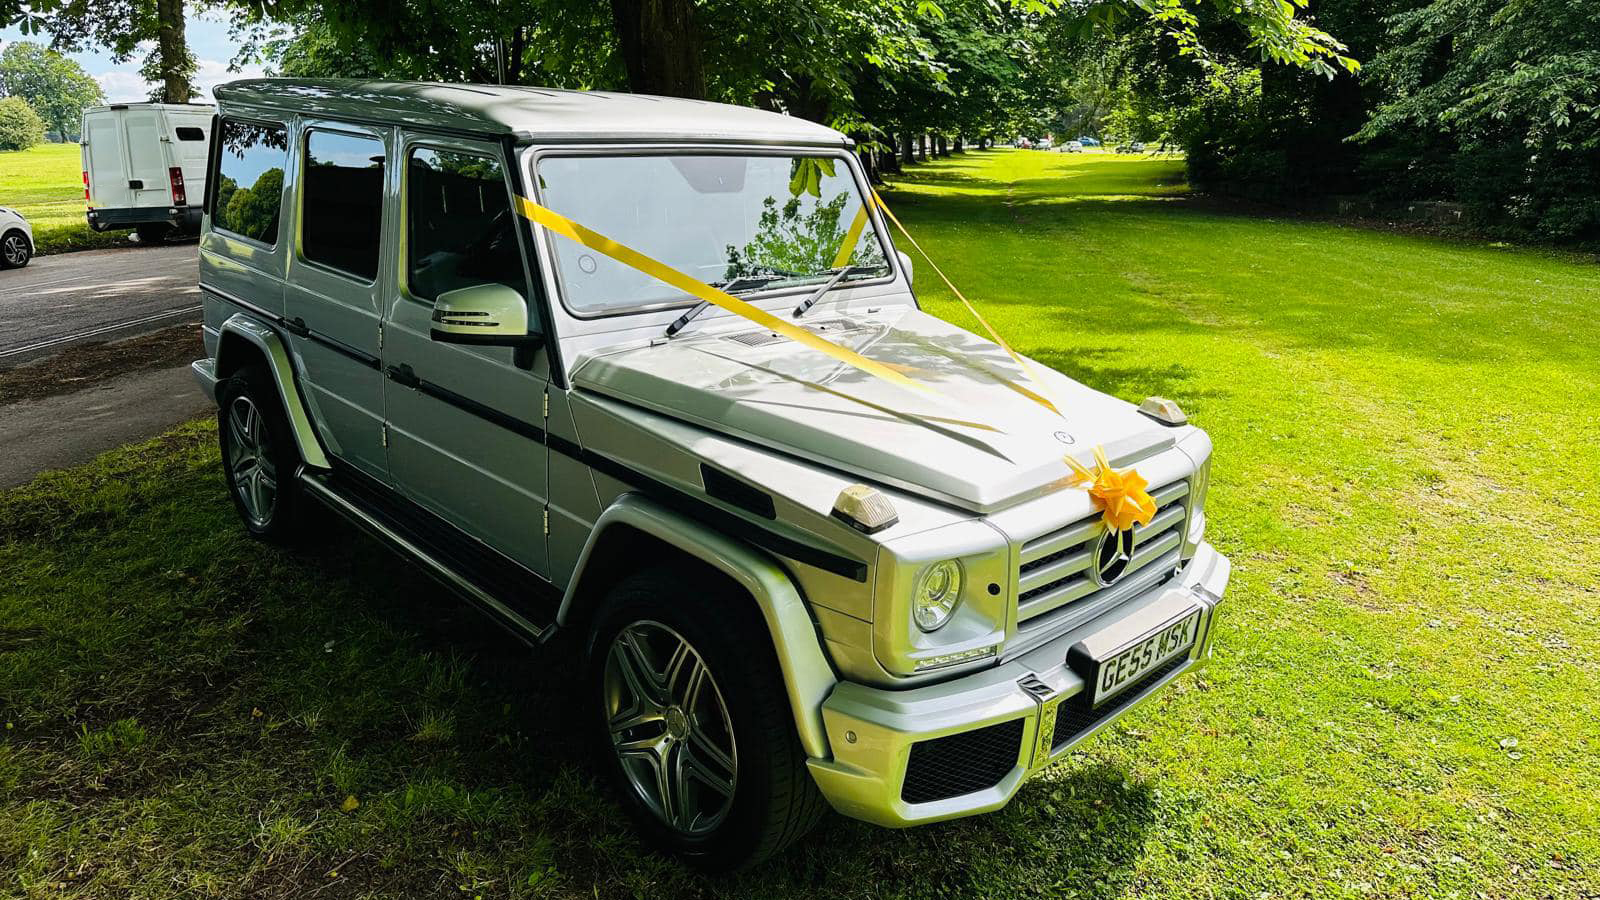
[[343, 208], [190, 133], [460, 228], [250, 162]]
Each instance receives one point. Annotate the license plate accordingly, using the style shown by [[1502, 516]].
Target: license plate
[[1117, 672]]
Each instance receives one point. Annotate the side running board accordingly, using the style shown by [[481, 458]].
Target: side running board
[[500, 588]]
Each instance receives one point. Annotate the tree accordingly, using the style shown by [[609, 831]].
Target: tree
[[120, 26], [20, 126], [56, 87]]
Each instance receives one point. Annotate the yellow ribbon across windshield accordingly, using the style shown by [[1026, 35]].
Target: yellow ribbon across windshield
[[694, 287]]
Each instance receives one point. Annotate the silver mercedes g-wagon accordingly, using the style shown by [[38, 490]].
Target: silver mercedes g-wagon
[[648, 374]]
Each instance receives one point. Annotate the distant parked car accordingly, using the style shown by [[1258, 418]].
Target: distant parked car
[[1024, 144], [1072, 147], [144, 167], [1088, 141], [1134, 147], [16, 239], [1044, 143]]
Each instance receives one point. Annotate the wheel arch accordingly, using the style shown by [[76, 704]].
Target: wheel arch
[[243, 339], [634, 526]]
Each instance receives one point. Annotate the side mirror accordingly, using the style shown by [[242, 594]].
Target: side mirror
[[490, 315], [905, 263]]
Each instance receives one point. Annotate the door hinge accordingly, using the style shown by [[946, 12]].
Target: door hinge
[[385, 433], [547, 403], [547, 521]]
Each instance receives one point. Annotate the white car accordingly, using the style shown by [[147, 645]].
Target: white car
[[16, 239], [1072, 147]]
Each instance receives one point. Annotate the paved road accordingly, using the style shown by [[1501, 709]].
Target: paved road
[[94, 295], [68, 429]]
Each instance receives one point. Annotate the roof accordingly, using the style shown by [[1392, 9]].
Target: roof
[[528, 114]]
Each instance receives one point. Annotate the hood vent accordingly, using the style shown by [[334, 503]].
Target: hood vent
[[765, 338]]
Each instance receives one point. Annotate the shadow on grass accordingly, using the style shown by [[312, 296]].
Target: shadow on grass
[[204, 709]]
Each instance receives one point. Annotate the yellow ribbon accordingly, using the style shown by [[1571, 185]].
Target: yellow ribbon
[[1028, 372], [847, 248], [694, 287], [1121, 496]]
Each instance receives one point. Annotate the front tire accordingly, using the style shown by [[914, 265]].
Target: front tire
[[694, 722], [15, 250], [259, 457]]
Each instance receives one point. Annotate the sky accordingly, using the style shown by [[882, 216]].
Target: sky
[[209, 41]]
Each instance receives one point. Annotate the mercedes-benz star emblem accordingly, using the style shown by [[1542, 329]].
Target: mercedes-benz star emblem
[[1112, 555], [1065, 437]]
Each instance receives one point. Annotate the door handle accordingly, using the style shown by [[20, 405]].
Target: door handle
[[403, 376], [298, 327]]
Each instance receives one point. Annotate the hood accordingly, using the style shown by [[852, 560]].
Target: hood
[[974, 440]]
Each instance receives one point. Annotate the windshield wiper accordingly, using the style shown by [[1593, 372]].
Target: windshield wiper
[[742, 283], [821, 292]]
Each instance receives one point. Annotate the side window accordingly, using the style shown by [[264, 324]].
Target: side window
[[343, 207], [249, 193], [190, 133], [460, 230]]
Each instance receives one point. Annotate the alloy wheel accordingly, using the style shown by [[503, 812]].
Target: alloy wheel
[[670, 727], [15, 249], [253, 474]]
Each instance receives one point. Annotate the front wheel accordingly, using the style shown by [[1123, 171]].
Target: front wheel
[[696, 728], [15, 250]]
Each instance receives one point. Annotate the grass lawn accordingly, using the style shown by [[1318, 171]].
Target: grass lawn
[[45, 184], [1403, 700]]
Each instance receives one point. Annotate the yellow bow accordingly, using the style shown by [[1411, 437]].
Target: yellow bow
[[1120, 495]]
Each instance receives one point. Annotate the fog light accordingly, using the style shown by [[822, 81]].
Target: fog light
[[955, 659], [937, 593]]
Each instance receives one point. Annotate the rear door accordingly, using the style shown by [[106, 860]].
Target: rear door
[[189, 140], [332, 301], [145, 131], [105, 159]]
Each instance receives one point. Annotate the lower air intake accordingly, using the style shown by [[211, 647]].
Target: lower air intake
[[962, 763]]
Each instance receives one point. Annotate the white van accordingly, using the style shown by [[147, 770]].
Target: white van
[[143, 166]]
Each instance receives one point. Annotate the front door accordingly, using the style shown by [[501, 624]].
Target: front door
[[466, 423], [333, 301]]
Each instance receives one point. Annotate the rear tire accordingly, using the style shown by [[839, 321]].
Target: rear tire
[[680, 681], [259, 457], [152, 234], [15, 250]]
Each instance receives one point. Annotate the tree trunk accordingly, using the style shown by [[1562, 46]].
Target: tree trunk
[[175, 65], [940, 147], [906, 150], [922, 146], [660, 47], [890, 157], [959, 147]]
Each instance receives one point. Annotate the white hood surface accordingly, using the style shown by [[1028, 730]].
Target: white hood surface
[[771, 391]]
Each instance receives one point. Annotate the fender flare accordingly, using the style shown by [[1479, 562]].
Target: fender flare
[[266, 340], [808, 678]]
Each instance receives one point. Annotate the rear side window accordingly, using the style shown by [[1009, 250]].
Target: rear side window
[[343, 207], [250, 161], [460, 230], [190, 133]]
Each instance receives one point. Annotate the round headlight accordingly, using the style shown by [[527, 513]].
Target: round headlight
[[937, 593]]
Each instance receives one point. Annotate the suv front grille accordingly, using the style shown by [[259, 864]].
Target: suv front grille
[[1055, 568], [961, 763]]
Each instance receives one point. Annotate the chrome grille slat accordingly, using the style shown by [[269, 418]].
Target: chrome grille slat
[[1054, 567], [1054, 571]]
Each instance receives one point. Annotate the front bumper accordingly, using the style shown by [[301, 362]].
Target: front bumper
[[1025, 708]]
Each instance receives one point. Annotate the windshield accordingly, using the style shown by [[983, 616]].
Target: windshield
[[746, 223]]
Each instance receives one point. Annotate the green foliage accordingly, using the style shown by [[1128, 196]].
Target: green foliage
[[1400, 704], [251, 211], [1514, 87], [124, 28], [20, 126], [56, 87]]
